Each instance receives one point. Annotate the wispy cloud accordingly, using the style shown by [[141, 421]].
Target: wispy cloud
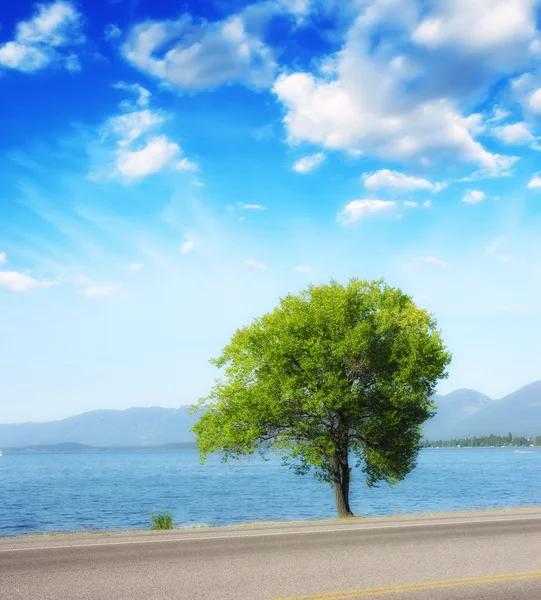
[[309, 163], [250, 206], [3, 258], [100, 291], [254, 264], [435, 262], [136, 266], [187, 247]]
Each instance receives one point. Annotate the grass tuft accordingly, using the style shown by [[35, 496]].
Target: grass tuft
[[161, 520]]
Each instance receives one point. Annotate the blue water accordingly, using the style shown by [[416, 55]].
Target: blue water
[[118, 490]]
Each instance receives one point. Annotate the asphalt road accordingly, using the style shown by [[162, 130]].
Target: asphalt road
[[492, 555]]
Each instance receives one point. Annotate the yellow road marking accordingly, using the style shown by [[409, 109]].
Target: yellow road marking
[[417, 587]]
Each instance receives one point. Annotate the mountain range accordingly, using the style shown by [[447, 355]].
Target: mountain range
[[462, 413]]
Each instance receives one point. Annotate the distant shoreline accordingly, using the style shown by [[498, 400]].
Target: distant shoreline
[[71, 448]]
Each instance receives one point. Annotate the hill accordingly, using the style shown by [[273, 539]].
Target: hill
[[133, 427], [462, 413], [467, 413]]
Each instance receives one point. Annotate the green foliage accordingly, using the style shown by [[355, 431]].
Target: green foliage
[[485, 441], [333, 372], [161, 520]]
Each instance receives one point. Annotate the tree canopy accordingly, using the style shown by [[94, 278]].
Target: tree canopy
[[332, 374]]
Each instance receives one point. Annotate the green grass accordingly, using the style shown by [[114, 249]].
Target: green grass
[[161, 520]]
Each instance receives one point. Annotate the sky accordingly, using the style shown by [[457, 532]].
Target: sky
[[170, 170]]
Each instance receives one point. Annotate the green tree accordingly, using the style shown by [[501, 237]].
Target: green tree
[[332, 374]]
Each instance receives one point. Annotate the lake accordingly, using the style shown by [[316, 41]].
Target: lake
[[102, 490]]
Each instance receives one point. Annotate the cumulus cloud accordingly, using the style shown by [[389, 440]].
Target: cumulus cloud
[[360, 209], [156, 154], [395, 181], [473, 197], [535, 182], [196, 55], [139, 150], [12, 281], [253, 264], [399, 86], [534, 101], [187, 247], [515, 134], [100, 291], [309, 163], [40, 41], [3, 258]]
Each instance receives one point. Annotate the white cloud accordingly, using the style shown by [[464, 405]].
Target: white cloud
[[38, 41], [411, 204], [196, 55], [143, 95], [253, 264], [112, 32], [427, 204], [135, 266], [132, 125], [535, 182], [534, 100], [435, 262], [3, 258], [501, 28], [186, 165], [250, 206], [396, 88], [154, 156], [309, 163], [360, 209], [394, 180], [187, 247], [21, 282], [473, 196], [100, 291], [517, 133]]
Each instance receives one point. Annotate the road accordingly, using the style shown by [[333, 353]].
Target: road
[[491, 555]]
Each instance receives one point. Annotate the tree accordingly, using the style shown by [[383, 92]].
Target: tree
[[332, 374]]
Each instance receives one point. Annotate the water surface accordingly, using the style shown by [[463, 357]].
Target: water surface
[[118, 489]]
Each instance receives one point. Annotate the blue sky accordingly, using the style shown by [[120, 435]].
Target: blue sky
[[168, 173]]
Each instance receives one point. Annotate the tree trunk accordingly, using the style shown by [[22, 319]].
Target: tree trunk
[[340, 473]]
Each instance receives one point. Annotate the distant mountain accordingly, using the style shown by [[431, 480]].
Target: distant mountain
[[133, 427], [463, 413], [466, 413]]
